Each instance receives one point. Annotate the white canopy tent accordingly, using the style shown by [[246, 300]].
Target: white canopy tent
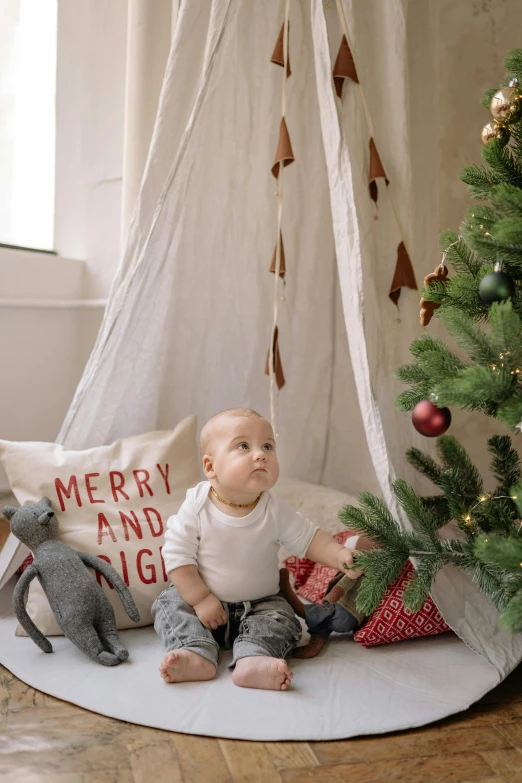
[[190, 315]]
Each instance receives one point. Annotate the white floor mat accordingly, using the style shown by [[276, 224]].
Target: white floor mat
[[346, 691]]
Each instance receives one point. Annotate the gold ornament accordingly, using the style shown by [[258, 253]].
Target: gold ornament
[[506, 105], [493, 130]]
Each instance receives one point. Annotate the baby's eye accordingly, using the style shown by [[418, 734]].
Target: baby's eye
[[269, 445], [242, 444]]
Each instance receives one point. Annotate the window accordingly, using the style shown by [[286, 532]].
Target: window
[[27, 122]]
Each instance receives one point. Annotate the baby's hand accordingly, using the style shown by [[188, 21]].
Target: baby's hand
[[210, 612], [344, 561]]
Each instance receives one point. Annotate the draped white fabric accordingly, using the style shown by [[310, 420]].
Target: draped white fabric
[[188, 325]]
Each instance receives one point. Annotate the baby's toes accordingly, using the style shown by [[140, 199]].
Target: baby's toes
[[286, 683], [284, 670]]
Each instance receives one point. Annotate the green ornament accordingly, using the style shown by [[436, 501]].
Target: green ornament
[[495, 287]]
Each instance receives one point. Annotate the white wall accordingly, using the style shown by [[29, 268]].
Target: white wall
[[43, 352]]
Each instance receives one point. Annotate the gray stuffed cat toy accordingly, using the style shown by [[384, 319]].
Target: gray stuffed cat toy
[[81, 608]]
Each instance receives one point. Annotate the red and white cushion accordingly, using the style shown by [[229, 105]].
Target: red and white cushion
[[312, 579], [392, 622]]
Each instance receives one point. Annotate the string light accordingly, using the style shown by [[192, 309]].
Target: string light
[[500, 363], [482, 499]]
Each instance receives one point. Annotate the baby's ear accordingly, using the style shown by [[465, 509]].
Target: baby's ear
[[208, 467], [9, 511]]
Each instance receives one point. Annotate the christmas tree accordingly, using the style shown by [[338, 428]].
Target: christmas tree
[[481, 307]]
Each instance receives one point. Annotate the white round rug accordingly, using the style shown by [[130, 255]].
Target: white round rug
[[348, 690]]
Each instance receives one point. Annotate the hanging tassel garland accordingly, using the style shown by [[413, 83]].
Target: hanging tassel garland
[[278, 55], [344, 67], [282, 268], [284, 151], [404, 276], [278, 367], [376, 171]]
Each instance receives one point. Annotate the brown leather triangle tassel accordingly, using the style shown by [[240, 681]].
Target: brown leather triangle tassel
[[278, 367], [282, 268], [284, 149], [278, 53], [404, 276], [376, 171], [344, 68]]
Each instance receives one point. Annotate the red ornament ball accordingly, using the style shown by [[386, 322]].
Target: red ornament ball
[[430, 420]]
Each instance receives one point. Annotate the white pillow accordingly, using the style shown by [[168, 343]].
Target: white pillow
[[111, 501]]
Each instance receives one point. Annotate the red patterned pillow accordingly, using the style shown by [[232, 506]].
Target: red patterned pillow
[[27, 562], [312, 579], [301, 568], [392, 622]]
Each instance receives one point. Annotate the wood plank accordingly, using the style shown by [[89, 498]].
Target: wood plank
[[114, 775], [426, 742], [487, 715], [22, 696], [506, 763], [37, 777], [512, 732], [288, 755], [448, 768], [34, 756], [53, 740], [49, 722], [201, 759], [484, 780], [5, 684], [249, 762], [156, 762]]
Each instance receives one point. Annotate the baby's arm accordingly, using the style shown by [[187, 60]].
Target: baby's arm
[[304, 539], [326, 550], [180, 555], [193, 590]]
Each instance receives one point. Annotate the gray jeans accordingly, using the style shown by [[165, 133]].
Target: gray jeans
[[266, 626]]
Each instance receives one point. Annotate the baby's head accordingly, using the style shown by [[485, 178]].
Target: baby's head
[[238, 452]]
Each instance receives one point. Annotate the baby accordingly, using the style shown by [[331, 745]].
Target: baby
[[221, 555]]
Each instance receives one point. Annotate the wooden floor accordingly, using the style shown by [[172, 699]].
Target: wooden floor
[[44, 740]]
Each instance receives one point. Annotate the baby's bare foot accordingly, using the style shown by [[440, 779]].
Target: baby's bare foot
[[257, 671], [186, 666]]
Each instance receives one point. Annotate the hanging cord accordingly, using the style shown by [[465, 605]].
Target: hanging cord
[[442, 264], [274, 402], [367, 112]]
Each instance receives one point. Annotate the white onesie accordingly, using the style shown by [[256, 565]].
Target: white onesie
[[236, 557]]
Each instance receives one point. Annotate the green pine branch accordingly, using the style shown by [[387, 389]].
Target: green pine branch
[[487, 542]]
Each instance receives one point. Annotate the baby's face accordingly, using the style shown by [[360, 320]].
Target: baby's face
[[244, 455]]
